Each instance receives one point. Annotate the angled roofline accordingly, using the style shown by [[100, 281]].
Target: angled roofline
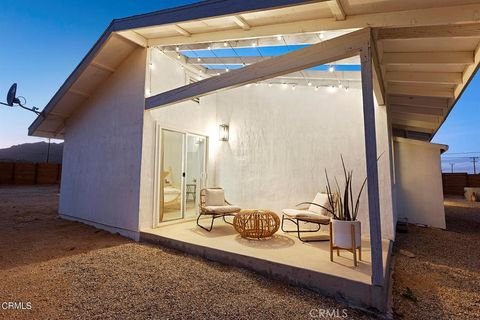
[[198, 10]]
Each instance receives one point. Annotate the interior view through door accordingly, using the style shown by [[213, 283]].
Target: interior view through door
[[183, 174]]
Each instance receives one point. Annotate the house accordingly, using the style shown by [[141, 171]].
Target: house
[[295, 85]]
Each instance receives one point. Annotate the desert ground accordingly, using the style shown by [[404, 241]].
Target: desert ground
[[437, 272], [69, 270]]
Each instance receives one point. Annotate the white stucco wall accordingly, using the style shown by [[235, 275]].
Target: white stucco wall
[[102, 152], [189, 116], [419, 182], [282, 140]]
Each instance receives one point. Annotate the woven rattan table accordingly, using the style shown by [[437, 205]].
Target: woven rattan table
[[256, 223]]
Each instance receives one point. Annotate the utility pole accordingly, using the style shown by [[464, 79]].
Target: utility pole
[[48, 150], [474, 160], [451, 166]]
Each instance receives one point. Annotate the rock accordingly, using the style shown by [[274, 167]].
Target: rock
[[406, 253]]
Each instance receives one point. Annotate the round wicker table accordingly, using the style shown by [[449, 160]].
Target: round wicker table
[[256, 223]]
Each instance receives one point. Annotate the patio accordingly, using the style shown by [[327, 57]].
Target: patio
[[283, 257]]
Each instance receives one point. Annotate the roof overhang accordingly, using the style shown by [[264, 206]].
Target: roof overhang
[[420, 87], [442, 147]]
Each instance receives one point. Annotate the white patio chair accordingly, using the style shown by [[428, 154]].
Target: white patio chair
[[214, 204], [314, 213]]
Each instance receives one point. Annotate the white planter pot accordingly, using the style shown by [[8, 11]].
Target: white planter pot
[[342, 233]]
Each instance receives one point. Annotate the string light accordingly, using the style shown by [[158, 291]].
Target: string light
[[331, 68], [225, 44], [279, 37], [340, 85], [177, 48], [152, 66], [309, 83], [316, 88], [227, 70], [178, 56], [269, 85], [321, 35], [254, 44], [209, 48], [198, 59], [293, 87]]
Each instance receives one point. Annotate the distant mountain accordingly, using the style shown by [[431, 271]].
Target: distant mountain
[[32, 152]]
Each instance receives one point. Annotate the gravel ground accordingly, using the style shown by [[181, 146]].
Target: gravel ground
[[70, 270], [443, 270]]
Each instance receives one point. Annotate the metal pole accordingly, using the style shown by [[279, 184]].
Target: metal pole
[[451, 165], [48, 150], [474, 160]]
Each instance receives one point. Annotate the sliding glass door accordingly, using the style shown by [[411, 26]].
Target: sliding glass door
[[182, 174], [195, 173]]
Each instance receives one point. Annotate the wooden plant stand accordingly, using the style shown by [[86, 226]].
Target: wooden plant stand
[[353, 250]]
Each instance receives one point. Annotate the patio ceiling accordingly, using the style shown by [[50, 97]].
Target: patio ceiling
[[428, 49]]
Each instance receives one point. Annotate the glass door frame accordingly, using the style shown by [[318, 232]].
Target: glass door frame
[[158, 168], [182, 175]]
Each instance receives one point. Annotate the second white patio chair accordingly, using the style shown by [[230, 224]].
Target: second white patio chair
[[308, 213]]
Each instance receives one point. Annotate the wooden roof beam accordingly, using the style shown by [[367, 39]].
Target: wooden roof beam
[[421, 17], [417, 90], [101, 66], [469, 72], [227, 60], [452, 78], [452, 58], [337, 10], [415, 123], [249, 60], [471, 30], [415, 116], [299, 39], [412, 129], [418, 101], [241, 22], [182, 31], [418, 110], [324, 52], [338, 76]]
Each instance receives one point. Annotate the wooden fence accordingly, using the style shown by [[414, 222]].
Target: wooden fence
[[453, 183], [30, 173]]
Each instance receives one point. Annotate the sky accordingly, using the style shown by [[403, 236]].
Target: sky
[[43, 41]]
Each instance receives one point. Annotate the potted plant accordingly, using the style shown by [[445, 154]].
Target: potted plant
[[343, 206]]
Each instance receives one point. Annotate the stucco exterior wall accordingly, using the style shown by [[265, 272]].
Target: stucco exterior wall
[[102, 152], [189, 116], [281, 141], [419, 182]]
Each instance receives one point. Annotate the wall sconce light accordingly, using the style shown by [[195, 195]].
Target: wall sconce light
[[223, 132]]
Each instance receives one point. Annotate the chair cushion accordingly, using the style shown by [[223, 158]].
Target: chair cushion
[[221, 209], [306, 215], [321, 199], [214, 197]]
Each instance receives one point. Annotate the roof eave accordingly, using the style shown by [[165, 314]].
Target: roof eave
[[199, 10]]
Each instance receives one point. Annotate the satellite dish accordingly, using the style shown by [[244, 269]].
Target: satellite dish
[[11, 95]]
